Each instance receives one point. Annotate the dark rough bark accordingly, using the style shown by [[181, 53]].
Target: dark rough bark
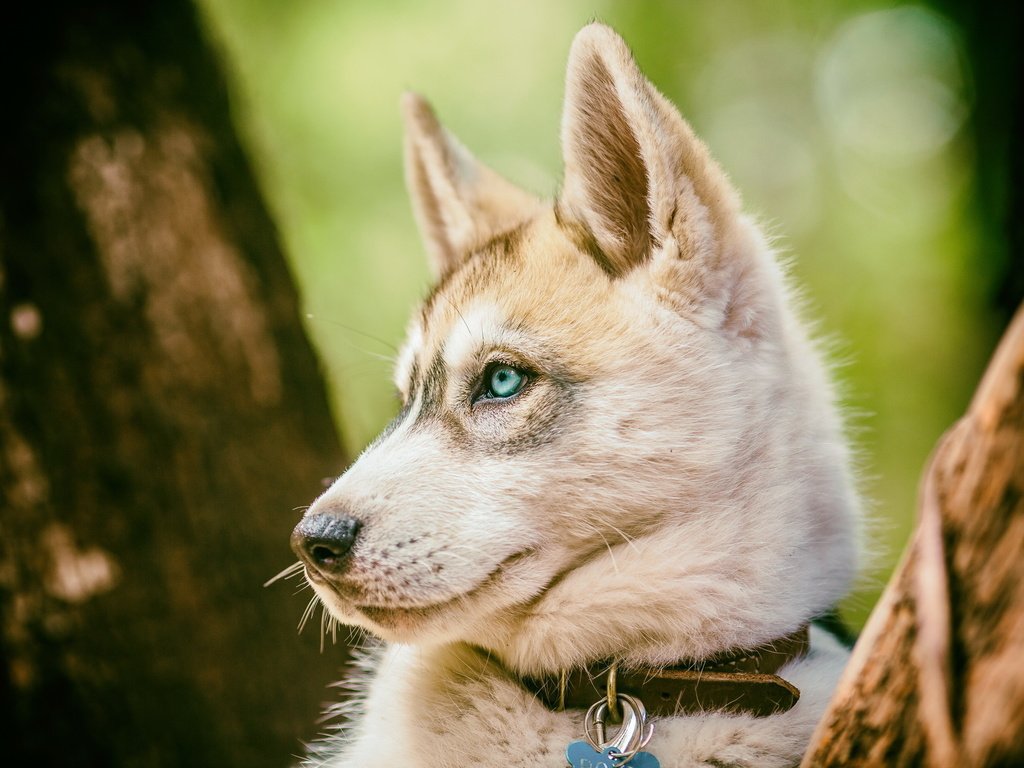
[[937, 677], [161, 411]]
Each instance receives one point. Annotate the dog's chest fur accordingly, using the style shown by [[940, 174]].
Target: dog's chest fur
[[451, 708]]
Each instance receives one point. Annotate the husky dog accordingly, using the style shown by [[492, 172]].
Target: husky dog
[[617, 447]]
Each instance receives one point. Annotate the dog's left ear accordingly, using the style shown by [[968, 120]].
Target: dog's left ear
[[459, 202], [635, 174]]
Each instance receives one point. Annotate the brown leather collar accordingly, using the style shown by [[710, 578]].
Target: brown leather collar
[[741, 681]]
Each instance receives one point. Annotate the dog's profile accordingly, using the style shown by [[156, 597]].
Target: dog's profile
[[618, 451]]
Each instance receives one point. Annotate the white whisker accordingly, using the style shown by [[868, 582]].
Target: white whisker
[[615, 565], [287, 573], [626, 538], [306, 614]]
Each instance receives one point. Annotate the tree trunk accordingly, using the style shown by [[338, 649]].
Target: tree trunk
[[937, 678], [161, 411]]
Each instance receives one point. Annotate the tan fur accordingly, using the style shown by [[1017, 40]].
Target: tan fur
[[672, 482], [459, 203]]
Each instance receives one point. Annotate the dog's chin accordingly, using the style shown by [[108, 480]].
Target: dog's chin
[[513, 581]]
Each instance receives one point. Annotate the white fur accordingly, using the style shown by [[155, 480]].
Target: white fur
[[673, 482]]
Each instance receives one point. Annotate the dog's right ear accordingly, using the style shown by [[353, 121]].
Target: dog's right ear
[[635, 174], [459, 203]]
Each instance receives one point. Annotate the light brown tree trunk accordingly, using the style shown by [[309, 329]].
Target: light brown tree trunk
[[937, 677], [161, 411]]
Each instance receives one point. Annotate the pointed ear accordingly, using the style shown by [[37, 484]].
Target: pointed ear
[[635, 174], [459, 203]]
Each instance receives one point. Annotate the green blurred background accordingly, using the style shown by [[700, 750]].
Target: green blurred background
[[845, 125]]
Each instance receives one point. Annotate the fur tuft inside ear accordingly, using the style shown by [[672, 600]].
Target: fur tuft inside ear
[[635, 174], [459, 203]]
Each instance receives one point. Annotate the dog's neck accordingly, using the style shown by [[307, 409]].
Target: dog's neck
[[629, 621], [531, 652], [739, 681]]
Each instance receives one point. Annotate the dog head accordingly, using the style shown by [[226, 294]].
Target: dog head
[[615, 438]]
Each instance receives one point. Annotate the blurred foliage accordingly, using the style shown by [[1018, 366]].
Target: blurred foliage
[[841, 123]]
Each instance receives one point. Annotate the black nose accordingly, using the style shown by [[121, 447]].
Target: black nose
[[323, 541]]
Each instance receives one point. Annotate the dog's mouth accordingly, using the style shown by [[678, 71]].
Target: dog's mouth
[[392, 614]]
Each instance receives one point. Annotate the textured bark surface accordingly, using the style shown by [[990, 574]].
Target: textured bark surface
[[161, 411], [937, 677]]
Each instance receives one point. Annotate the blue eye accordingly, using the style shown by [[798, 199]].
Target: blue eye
[[503, 381]]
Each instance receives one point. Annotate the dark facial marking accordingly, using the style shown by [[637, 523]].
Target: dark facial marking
[[525, 422], [414, 374], [432, 389], [473, 272]]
